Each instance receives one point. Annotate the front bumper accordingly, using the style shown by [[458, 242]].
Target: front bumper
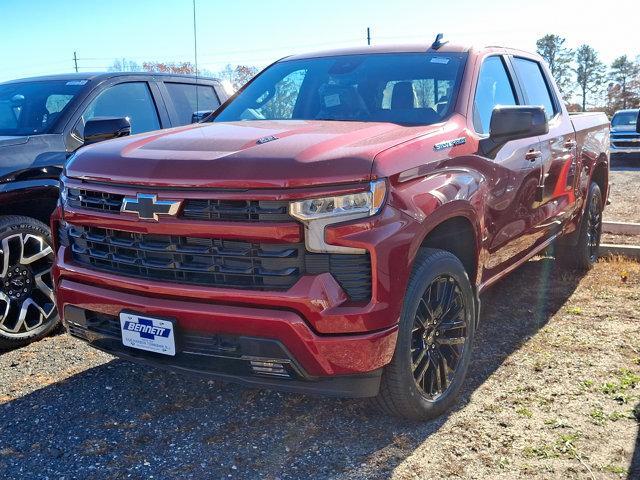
[[255, 347], [327, 343]]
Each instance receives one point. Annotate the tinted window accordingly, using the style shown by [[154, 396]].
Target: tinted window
[[405, 88], [28, 108], [494, 88], [187, 100], [622, 119], [132, 100], [534, 85]]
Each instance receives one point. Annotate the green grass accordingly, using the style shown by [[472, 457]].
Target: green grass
[[525, 412], [615, 469], [597, 416]]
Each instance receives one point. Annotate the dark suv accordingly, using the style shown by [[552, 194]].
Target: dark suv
[[42, 122]]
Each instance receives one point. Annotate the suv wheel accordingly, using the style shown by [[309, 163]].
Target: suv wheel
[[435, 340], [27, 307], [584, 254]]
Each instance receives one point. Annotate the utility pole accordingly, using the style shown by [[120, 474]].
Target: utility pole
[[75, 61], [368, 36]]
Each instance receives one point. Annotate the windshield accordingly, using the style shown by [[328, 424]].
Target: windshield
[[29, 108], [403, 88], [624, 119]]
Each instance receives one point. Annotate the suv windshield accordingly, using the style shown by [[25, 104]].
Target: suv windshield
[[28, 108], [403, 88], [624, 119]]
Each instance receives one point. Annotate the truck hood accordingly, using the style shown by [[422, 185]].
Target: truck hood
[[242, 155], [8, 141]]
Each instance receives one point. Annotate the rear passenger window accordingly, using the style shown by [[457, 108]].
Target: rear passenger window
[[494, 88], [187, 100], [534, 85]]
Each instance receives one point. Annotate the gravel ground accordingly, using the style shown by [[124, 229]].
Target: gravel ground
[[553, 392], [625, 192]]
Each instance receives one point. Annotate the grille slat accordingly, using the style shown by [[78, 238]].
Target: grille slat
[[212, 262], [212, 210], [222, 263]]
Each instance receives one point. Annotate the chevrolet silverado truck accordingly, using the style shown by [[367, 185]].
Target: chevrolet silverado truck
[[625, 134], [42, 121], [333, 227]]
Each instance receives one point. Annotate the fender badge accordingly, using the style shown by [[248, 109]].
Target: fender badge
[[450, 143], [270, 138]]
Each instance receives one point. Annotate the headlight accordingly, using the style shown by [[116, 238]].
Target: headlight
[[317, 213], [362, 204]]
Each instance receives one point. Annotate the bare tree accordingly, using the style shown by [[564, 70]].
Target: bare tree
[[242, 74], [552, 48], [124, 65], [172, 67], [590, 73]]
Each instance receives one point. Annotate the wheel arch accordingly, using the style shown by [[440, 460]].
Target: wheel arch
[[600, 175], [26, 199], [457, 231]]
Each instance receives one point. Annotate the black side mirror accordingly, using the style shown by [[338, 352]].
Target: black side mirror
[[638, 123], [511, 123], [200, 115], [105, 128]]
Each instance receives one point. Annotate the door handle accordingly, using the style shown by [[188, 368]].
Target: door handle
[[533, 155], [569, 144]]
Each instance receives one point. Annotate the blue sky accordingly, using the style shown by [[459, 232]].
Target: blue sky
[[39, 37]]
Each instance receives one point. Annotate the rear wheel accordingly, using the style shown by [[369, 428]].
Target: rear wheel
[[435, 339], [27, 306], [584, 254]]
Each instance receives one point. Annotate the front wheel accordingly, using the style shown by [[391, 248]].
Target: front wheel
[[27, 305], [435, 340]]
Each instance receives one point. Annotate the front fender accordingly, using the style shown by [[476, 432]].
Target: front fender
[[440, 196]]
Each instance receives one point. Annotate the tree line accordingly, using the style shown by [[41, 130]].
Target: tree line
[[581, 74], [233, 77]]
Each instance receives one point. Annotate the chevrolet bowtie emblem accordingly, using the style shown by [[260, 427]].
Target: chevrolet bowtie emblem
[[148, 207]]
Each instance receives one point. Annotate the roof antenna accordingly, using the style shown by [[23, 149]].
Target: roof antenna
[[438, 42]]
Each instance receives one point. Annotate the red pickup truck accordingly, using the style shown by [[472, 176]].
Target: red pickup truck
[[332, 227]]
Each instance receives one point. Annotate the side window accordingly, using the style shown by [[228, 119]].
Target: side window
[[534, 85], [132, 100], [187, 100], [494, 88]]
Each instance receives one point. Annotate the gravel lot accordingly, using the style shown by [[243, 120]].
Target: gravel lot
[[554, 392], [625, 192]]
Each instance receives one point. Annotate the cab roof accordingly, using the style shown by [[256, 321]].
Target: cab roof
[[90, 76], [392, 48]]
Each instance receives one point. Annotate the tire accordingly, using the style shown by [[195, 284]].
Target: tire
[[584, 254], [435, 273], [27, 306]]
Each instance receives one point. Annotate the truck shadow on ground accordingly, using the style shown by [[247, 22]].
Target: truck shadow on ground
[[120, 420]]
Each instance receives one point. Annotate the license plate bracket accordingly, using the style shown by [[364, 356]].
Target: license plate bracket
[[144, 332]]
